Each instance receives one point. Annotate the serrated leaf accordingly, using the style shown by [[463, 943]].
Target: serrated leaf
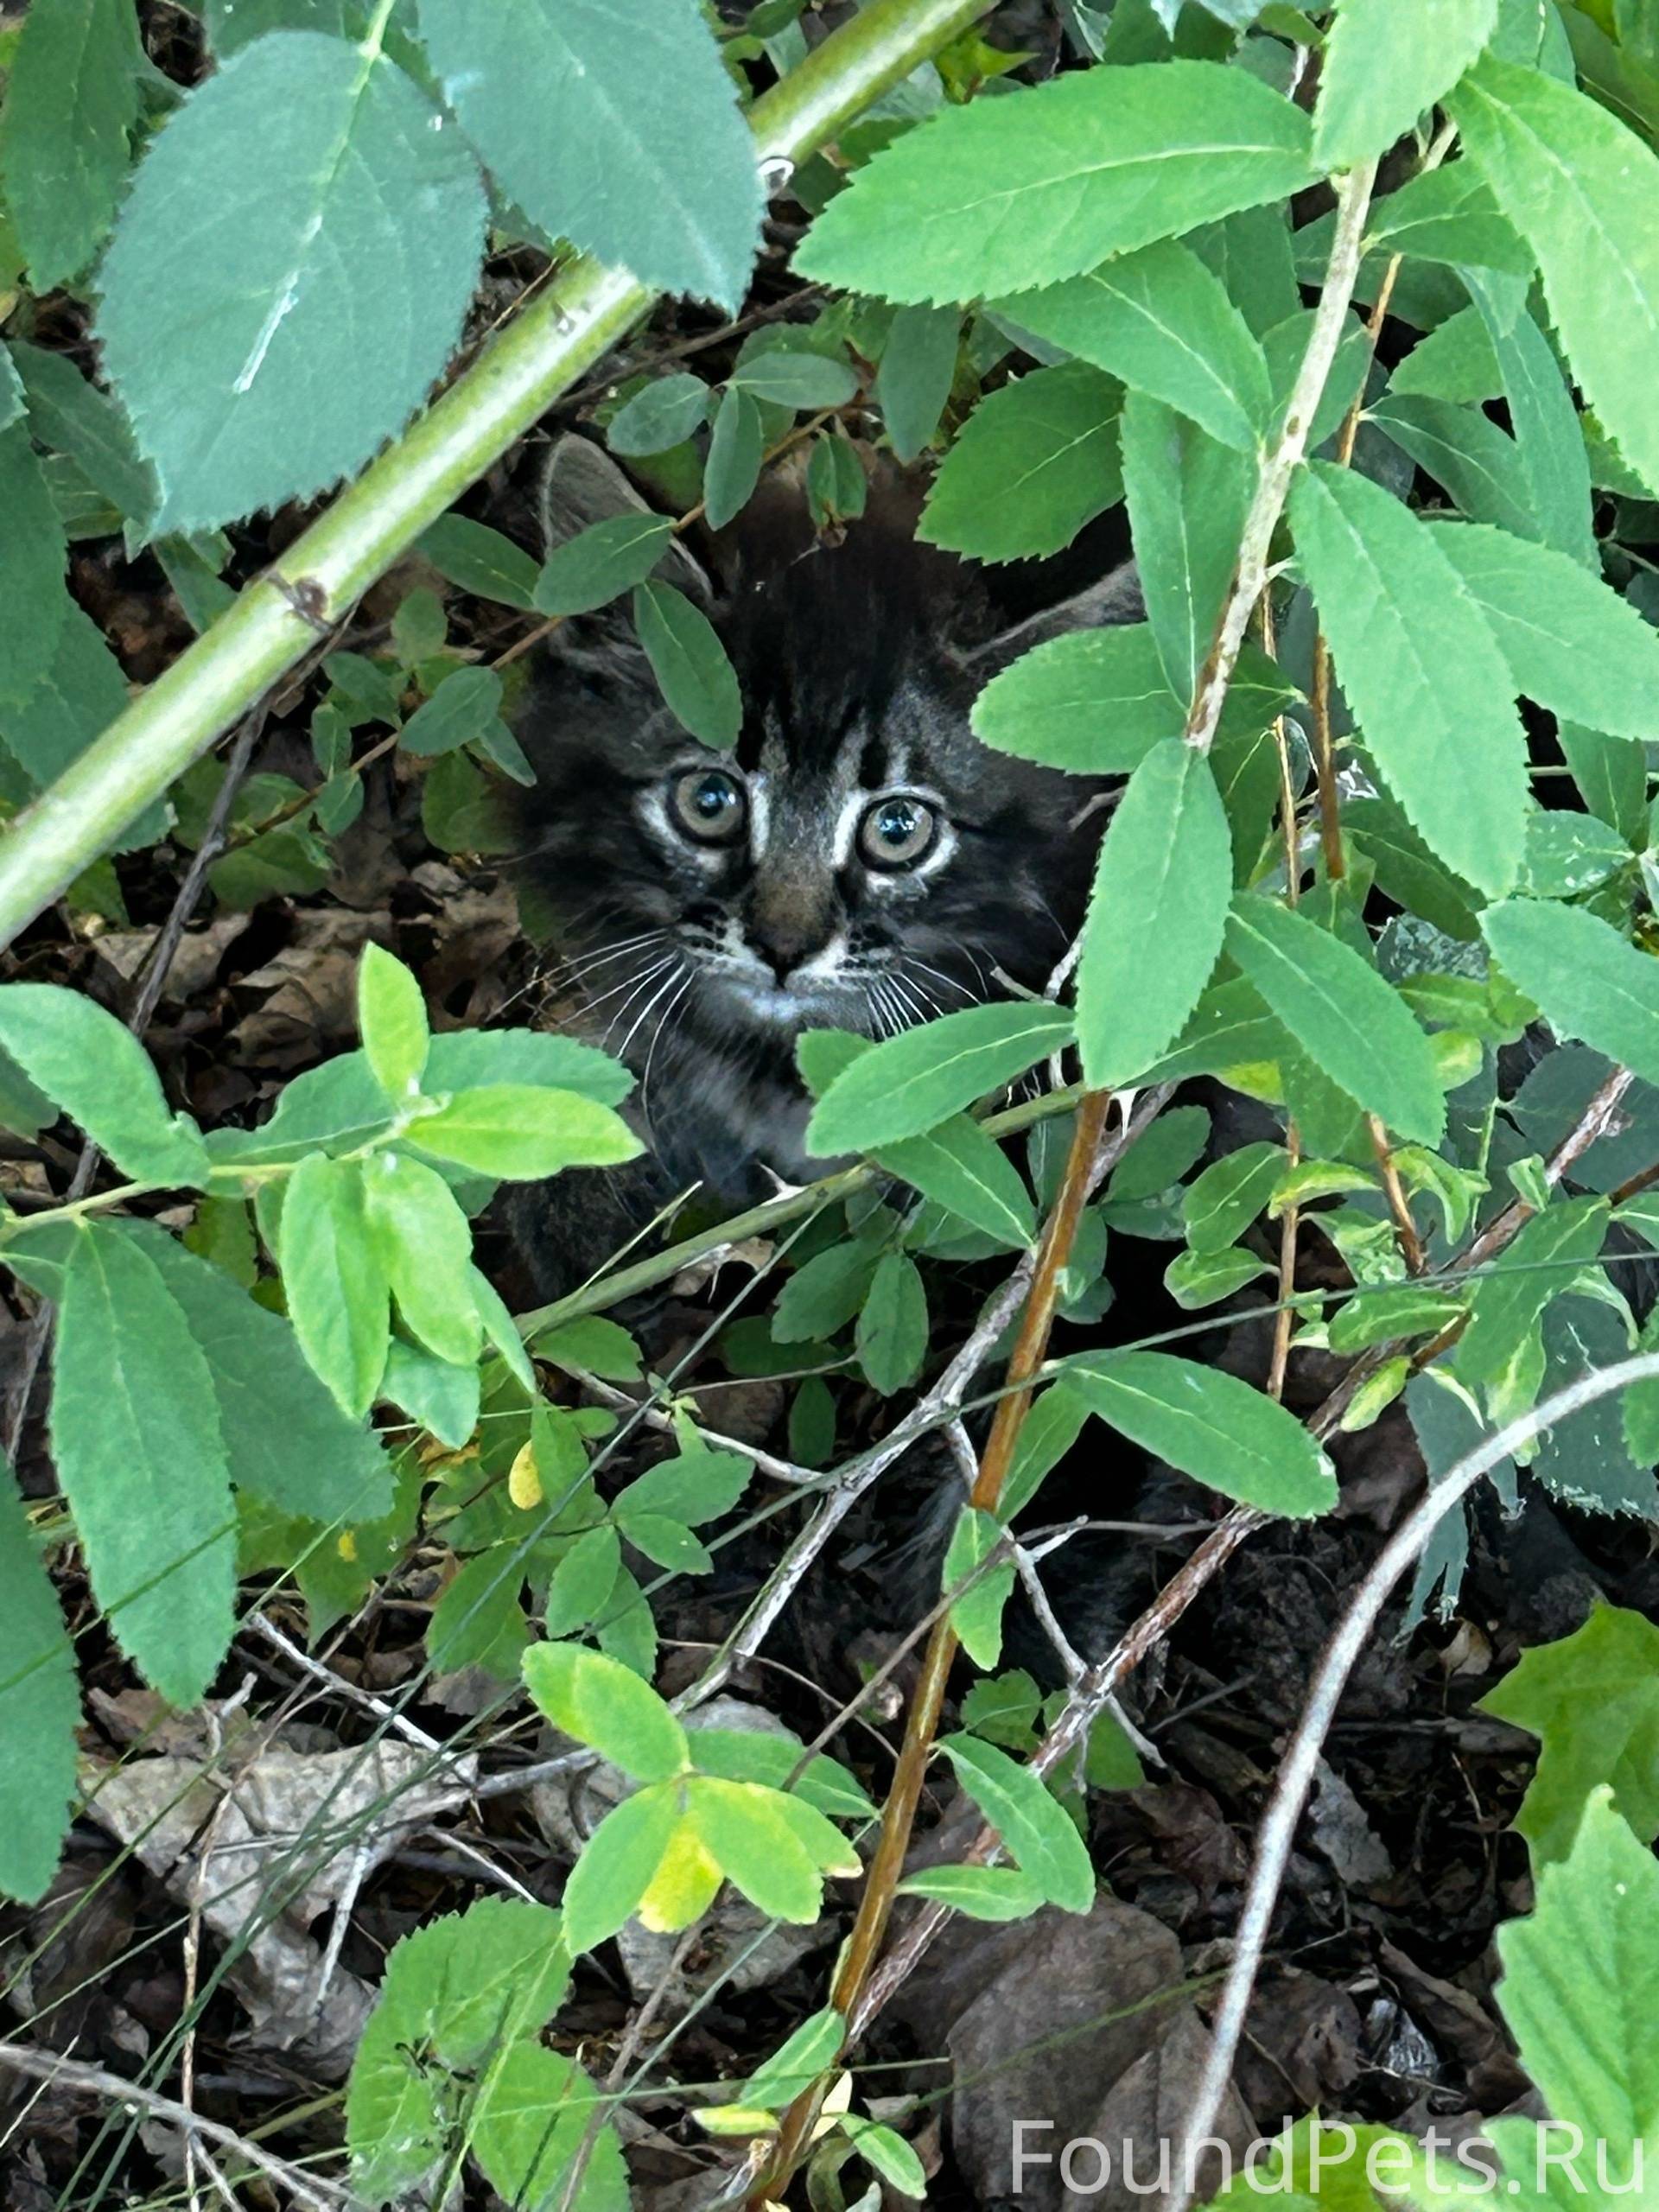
[[1159, 321], [536, 2112], [355, 235], [961, 1168], [690, 663], [1420, 669], [606, 1705], [521, 1133], [1188, 494], [141, 1457], [71, 102], [1477, 464], [1165, 877], [35, 604], [40, 1708], [892, 1333], [70, 415], [1534, 1269], [1033, 1825], [795, 379], [391, 1019], [1220, 1205], [95, 1069], [1592, 1699], [479, 1621], [1575, 1973], [824, 1294], [1210, 1426], [338, 1296], [461, 711], [1035, 460], [1573, 180], [745, 1829], [1570, 642], [1093, 701], [772, 1756], [1587, 979], [1385, 62], [1449, 215], [440, 1398], [911, 1083], [592, 1343], [919, 365], [694, 1486], [1544, 417], [1355, 1027], [1043, 184], [612, 123], [601, 563]]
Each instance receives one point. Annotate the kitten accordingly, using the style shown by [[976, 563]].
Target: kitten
[[859, 860]]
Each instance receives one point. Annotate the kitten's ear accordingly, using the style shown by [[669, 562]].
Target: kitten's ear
[[1115, 598], [583, 486]]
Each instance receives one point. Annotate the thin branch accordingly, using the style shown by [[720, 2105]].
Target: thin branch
[[1298, 1768], [311, 2189], [1405, 1229]]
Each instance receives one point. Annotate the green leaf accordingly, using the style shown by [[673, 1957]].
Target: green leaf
[[1587, 979], [1210, 1426], [1420, 669], [1570, 641], [356, 236], [1093, 701], [606, 1705], [71, 102], [1449, 215], [424, 1244], [521, 1133], [601, 563], [919, 365], [95, 1069], [1220, 1205], [1160, 321], [1377, 1316], [69, 414], [592, 1344], [34, 606], [1466, 454], [286, 1439], [735, 452], [690, 663], [40, 1708], [1544, 417], [1353, 1024], [886, 2153], [1385, 63], [612, 123], [1454, 361], [1035, 1827], [662, 413], [1043, 184], [823, 1295], [891, 1332], [913, 1082], [1575, 1976], [1188, 495], [1537, 1267], [442, 1399], [1165, 877], [141, 1457], [530, 2125], [1591, 1700], [1035, 460], [694, 1486], [959, 1167], [771, 1755], [479, 560], [793, 379], [1573, 181], [391, 1018], [978, 1892], [976, 1615], [1194, 1279], [835, 486], [745, 1828], [338, 1294], [797, 2062], [617, 1862], [479, 1621], [461, 711]]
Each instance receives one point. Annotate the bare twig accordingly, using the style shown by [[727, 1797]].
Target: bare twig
[[1405, 1229], [1296, 1770], [311, 2189]]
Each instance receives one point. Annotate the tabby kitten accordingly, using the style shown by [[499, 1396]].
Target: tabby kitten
[[859, 860]]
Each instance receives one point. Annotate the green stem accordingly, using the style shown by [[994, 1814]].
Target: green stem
[[553, 341]]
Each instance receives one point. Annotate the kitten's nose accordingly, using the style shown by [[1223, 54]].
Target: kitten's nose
[[788, 921]]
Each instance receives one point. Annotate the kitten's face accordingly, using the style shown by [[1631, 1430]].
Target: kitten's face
[[859, 860]]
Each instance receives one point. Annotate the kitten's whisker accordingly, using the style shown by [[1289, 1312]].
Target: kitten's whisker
[[577, 971], [632, 985], [905, 990], [664, 1022], [643, 1013], [952, 982]]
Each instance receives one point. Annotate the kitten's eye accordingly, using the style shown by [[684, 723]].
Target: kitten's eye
[[708, 806], [896, 831]]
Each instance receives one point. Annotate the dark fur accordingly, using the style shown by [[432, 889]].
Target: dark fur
[[858, 665]]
